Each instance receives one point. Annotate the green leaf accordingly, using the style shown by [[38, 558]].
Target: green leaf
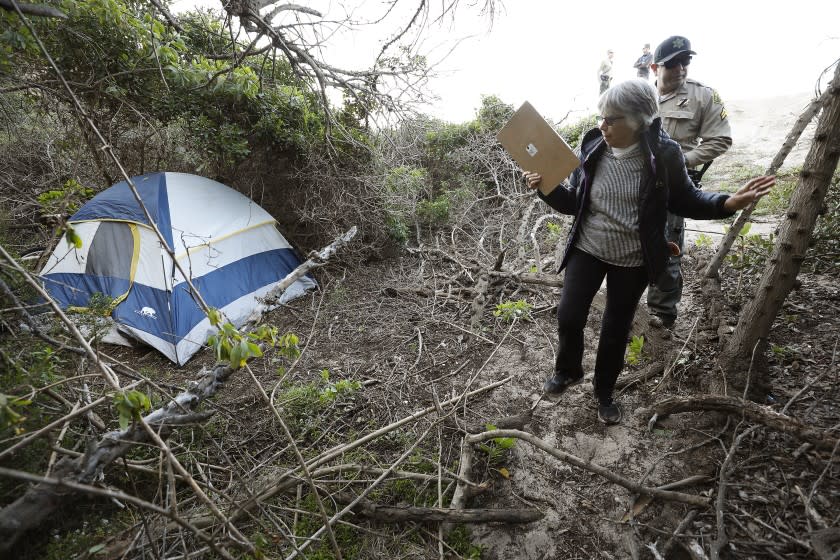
[[505, 442], [254, 350], [236, 357], [73, 238], [129, 405]]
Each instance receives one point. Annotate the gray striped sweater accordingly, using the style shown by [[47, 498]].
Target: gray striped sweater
[[610, 228]]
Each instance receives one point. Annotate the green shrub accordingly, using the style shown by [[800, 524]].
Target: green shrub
[[510, 310], [574, 132], [461, 542], [634, 350]]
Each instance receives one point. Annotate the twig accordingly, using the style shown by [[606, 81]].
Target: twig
[[669, 544], [60, 437], [722, 539], [677, 357]]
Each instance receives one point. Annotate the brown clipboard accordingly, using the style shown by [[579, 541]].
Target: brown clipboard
[[536, 146]]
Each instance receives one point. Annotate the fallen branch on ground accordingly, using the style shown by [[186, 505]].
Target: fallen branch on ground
[[281, 484], [751, 411], [589, 466], [394, 514]]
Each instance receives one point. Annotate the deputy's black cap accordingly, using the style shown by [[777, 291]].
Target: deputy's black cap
[[671, 47]]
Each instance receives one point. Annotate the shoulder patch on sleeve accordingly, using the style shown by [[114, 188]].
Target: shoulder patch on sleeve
[[723, 113], [716, 97]]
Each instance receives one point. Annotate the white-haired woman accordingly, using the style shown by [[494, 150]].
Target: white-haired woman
[[631, 174]]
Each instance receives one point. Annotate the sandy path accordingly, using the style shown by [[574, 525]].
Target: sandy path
[[759, 128]]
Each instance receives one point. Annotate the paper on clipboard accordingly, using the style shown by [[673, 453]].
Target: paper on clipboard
[[536, 146]]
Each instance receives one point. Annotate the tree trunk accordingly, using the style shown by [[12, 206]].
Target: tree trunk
[[792, 138], [750, 336]]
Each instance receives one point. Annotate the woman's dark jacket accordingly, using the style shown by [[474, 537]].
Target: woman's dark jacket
[[663, 186]]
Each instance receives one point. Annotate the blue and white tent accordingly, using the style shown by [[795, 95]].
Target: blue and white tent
[[228, 245]]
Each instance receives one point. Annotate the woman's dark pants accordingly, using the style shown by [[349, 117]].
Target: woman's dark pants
[[625, 285]]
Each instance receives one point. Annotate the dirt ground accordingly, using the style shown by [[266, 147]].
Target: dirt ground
[[401, 329], [417, 348]]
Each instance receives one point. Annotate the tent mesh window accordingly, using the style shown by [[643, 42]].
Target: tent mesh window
[[110, 251]]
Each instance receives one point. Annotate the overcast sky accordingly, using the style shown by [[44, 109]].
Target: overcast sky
[[548, 51]]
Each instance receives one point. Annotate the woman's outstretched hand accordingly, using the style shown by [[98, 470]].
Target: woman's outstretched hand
[[753, 190], [532, 180]]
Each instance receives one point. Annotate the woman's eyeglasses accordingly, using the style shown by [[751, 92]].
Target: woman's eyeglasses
[[674, 62], [609, 120]]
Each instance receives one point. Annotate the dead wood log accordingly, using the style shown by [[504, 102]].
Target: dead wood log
[[517, 422], [591, 467], [316, 259], [290, 485], [750, 410], [406, 514], [460, 496], [464, 487], [479, 301]]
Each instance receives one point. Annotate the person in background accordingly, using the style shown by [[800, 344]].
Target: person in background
[[605, 72], [631, 174], [642, 64], [695, 117]]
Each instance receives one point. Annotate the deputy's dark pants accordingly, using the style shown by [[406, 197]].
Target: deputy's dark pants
[[584, 275], [663, 298]]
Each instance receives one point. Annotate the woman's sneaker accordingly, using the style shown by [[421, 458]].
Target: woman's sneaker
[[609, 413], [559, 382]]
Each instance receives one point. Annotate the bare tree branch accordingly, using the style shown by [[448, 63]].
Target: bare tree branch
[[38, 10]]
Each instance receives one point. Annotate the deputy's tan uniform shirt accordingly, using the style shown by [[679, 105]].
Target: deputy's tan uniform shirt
[[695, 117]]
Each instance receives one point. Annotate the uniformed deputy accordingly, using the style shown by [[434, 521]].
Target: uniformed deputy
[[694, 116]]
